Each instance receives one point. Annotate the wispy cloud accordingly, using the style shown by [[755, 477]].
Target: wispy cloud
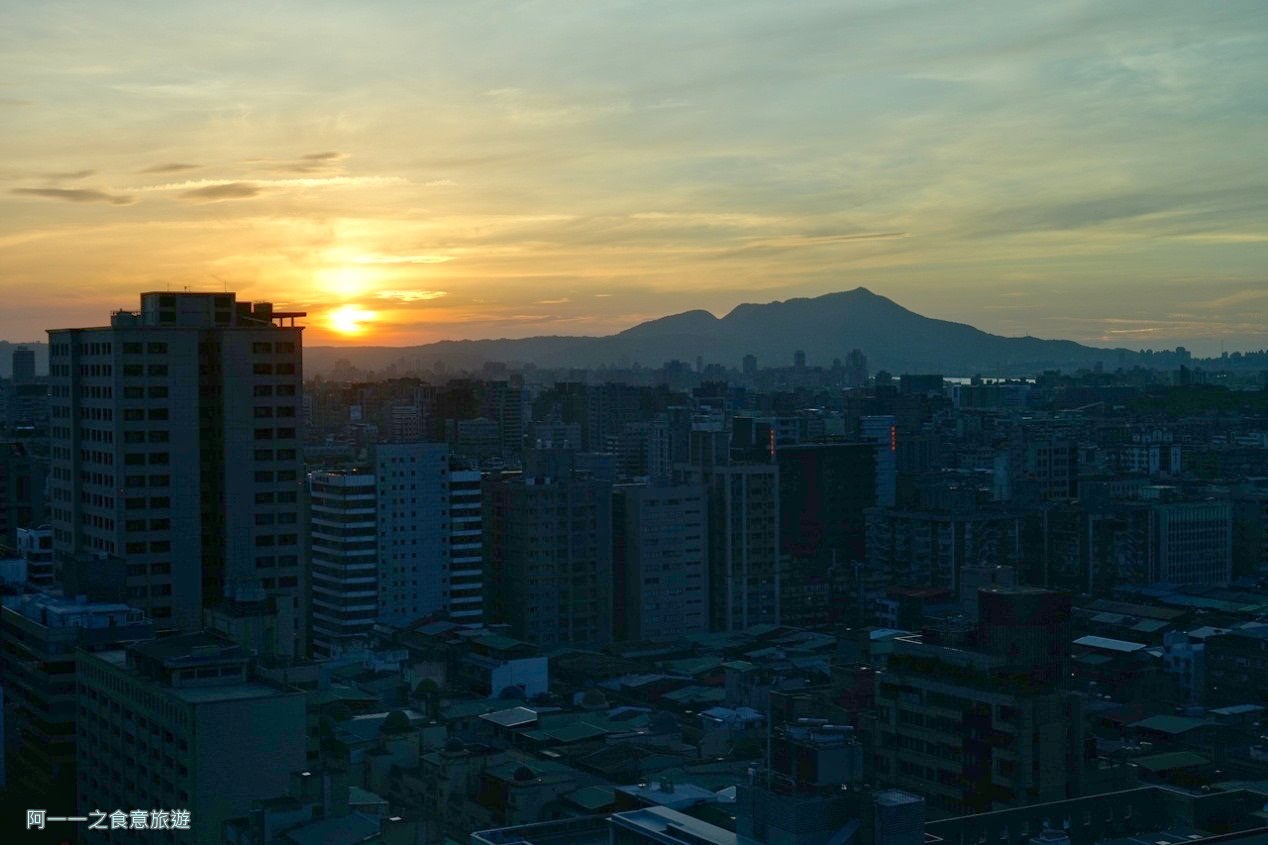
[[315, 182], [411, 295], [223, 191], [69, 175], [169, 167], [311, 163], [76, 195], [402, 259]]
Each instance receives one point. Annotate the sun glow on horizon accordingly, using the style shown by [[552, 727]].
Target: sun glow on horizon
[[350, 320]]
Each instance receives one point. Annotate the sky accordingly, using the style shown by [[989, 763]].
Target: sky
[[415, 171]]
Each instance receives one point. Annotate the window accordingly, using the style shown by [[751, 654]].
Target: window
[[156, 370], [263, 390], [261, 347], [262, 369]]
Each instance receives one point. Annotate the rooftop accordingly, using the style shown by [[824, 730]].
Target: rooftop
[[1108, 644], [661, 824]]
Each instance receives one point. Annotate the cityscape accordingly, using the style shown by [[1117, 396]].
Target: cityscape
[[788, 602], [837, 422]]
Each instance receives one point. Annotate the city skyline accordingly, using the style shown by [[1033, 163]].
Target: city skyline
[[410, 174]]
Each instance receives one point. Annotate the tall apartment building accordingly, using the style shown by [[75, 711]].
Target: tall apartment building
[[882, 432], [660, 561], [175, 444], [23, 475], [548, 552], [414, 530], [503, 403], [1191, 542], [928, 548], [344, 557], [824, 489], [970, 733], [182, 723], [39, 634], [466, 546], [743, 499], [23, 365]]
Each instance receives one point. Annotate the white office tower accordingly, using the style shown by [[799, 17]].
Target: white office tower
[[883, 432], [344, 559], [429, 530], [175, 445], [466, 548]]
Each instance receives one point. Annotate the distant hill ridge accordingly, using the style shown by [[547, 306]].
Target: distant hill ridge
[[824, 327]]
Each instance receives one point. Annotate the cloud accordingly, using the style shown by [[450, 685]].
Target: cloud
[[76, 195], [411, 295], [223, 191], [73, 174], [403, 259], [311, 163], [193, 185], [170, 167]]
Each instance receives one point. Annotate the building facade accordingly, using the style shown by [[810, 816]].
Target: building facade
[[175, 437]]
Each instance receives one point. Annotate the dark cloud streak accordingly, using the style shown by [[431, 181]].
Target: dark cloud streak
[[171, 167], [76, 195], [225, 191]]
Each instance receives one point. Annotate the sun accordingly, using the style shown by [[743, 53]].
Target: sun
[[350, 320]]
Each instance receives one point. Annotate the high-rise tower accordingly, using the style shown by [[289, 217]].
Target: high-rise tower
[[175, 445]]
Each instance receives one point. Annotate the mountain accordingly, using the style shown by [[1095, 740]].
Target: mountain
[[825, 327]]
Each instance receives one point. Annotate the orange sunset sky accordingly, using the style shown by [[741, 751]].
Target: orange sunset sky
[[412, 171]]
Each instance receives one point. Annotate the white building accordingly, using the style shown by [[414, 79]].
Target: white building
[[344, 553], [429, 535]]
